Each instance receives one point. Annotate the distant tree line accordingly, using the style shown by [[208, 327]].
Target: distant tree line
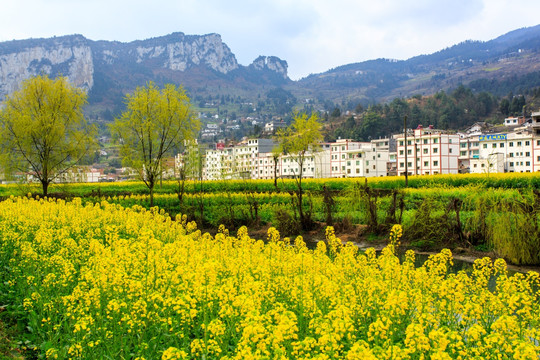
[[454, 110]]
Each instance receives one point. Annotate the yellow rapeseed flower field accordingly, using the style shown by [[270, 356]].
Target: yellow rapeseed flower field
[[100, 281]]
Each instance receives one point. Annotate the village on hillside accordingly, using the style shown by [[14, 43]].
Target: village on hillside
[[481, 148]]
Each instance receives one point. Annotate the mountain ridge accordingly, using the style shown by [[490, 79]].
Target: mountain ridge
[[206, 66]]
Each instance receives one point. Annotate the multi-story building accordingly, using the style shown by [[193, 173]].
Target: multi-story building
[[428, 152], [246, 160], [339, 152], [316, 165], [367, 161], [517, 151]]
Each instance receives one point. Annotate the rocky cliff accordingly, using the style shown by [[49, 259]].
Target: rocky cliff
[[271, 63], [69, 56], [105, 67], [176, 52]]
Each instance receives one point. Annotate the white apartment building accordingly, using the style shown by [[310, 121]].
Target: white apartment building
[[316, 165], [493, 163], [339, 153], [517, 151], [366, 162], [429, 152], [243, 161], [219, 164]]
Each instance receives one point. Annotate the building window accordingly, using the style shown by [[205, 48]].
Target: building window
[[425, 151], [435, 150], [425, 141], [343, 156], [435, 163], [484, 146], [511, 163], [409, 142], [494, 145], [511, 155], [409, 152], [348, 171], [358, 171], [463, 153], [519, 143], [435, 141], [401, 143], [409, 164], [401, 165], [450, 150], [501, 145], [463, 145], [426, 163], [401, 152], [511, 144], [527, 143], [357, 162]]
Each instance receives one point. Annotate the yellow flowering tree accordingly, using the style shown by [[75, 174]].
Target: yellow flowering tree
[[43, 130], [299, 141], [155, 122]]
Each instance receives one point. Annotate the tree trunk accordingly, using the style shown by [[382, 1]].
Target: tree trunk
[[275, 175], [45, 187], [303, 221], [181, 187], [151, 184]]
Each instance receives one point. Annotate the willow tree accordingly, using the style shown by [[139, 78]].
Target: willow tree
[[300, 141], [156, 122], [43, 131]]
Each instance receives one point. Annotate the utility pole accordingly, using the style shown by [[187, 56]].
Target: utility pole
[[406, 165]]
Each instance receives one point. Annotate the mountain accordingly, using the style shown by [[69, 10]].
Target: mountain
[[209, 71], [514, 56], [108, 70]]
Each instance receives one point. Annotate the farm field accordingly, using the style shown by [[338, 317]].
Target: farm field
[[100, 280], [498, 213]]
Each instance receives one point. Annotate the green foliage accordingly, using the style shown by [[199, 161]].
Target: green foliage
[[154, 123], [303, 136], [455, 110], [515, 232], [286, 223], [43, 130]]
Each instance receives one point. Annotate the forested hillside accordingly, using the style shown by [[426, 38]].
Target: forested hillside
[[455, 110]]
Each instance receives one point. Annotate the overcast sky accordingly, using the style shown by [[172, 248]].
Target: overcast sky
[[311, 35]]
